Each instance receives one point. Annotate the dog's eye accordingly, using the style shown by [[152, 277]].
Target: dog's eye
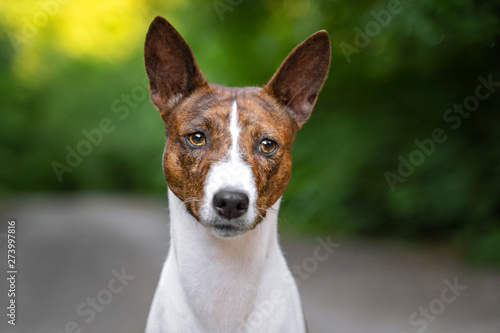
[[268, 146], [197, 139]]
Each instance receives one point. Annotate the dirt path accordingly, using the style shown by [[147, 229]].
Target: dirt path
[[92, 263]]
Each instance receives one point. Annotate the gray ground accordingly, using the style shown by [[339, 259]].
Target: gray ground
[[69, 246]]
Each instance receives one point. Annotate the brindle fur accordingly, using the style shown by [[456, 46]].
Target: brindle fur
[[188, 104]]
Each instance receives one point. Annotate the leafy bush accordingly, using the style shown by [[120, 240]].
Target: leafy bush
[[381, 96]]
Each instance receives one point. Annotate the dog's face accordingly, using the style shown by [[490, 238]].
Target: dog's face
[[227, 153], [233, 140]]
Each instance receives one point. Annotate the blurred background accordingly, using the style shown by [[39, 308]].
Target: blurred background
[[399, 163]]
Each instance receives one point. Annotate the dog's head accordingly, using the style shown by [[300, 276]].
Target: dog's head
[[227, 153]]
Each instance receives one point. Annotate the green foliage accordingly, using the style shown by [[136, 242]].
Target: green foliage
[[391, 92]]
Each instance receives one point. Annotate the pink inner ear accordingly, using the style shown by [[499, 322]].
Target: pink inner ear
[[303, 110], [157, 99]]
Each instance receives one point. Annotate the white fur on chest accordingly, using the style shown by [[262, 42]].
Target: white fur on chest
[[225, 273], [209, 284]]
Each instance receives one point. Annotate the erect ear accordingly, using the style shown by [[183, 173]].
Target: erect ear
[[170, 65], [299, 79]]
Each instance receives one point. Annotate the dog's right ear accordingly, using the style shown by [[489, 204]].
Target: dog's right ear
[[170, 65]]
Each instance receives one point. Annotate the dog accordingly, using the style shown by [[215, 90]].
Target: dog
[[226, 163]]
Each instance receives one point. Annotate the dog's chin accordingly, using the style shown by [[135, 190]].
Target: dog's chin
[[227, 231], [223, 228]]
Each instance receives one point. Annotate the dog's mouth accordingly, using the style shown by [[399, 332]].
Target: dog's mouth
[[227, 230], [224, 228]]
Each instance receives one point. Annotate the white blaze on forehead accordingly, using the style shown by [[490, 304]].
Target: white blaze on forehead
[[230, 172], [235, 130]]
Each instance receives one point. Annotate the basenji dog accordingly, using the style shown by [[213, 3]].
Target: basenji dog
[[227, 162]]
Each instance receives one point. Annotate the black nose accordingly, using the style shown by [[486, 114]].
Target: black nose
[[230, 204]]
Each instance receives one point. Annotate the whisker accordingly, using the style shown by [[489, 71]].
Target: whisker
[[280, 216], [186, 201], [193, 199]]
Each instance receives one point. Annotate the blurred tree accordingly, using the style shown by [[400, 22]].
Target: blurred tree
[[68, 67]]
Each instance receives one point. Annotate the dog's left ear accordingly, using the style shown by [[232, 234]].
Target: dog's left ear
[[299, 79]]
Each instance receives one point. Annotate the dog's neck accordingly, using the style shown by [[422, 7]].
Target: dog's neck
[[222, 277], [225, 176]]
